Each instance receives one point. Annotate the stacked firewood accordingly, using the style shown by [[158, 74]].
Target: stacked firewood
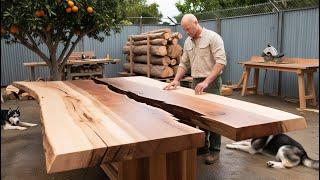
[[164, 53], [13, 93]]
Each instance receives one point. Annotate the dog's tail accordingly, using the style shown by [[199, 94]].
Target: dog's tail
[[310, 162]]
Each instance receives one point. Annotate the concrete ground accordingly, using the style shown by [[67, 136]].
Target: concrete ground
[[22, 155]]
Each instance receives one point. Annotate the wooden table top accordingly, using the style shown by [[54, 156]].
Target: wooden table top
[[286, 62], [86, 124], [75, 62], [280, 65], [234, 119]]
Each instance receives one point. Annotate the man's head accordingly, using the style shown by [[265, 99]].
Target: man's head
[[190, 25]]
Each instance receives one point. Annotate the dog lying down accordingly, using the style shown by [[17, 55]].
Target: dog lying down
[[288, 152], [10, 119]]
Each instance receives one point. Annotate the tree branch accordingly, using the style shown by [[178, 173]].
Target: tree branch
[[61, 64], [32, 47], [64, 50]]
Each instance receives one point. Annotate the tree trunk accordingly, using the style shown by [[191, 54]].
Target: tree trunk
[[140, 50], [157, 60], [55, 74], [156, 70]]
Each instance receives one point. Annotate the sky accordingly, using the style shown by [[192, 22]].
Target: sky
[[166, 7]]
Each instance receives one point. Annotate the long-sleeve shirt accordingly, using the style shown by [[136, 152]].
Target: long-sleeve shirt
[[202, 53]]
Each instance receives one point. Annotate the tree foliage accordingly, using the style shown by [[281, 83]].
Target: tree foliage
[[200, 6], [138, 8], [54, 22]]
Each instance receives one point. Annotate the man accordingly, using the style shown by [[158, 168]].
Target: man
[[204, 53]]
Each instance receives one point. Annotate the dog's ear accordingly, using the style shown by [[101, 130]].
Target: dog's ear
[[18, 108], [9, 110]]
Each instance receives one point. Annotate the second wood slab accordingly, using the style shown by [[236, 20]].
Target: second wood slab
[[234, 119]]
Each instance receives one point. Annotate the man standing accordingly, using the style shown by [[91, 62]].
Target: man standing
[[204, 53]]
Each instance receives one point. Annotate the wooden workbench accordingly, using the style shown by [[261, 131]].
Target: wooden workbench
[[69, 64], [296, 65], [129, 125]]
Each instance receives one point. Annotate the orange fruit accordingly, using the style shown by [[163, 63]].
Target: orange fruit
[[68, 10], [39, 13], [77, 32], [90, 10], [75, 9], [13, 29], [70, 4]]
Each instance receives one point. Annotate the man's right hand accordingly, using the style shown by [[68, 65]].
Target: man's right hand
[[172, 85]]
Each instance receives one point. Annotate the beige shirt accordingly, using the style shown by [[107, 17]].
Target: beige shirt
[[202, 53]]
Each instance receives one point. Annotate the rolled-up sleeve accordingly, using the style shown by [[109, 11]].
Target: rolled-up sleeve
[[185, 60], [217, 49]]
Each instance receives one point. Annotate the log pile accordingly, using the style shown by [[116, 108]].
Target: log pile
[[160, 46], [13, 93]]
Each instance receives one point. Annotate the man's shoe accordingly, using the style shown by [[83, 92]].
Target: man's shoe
[[211, 158]]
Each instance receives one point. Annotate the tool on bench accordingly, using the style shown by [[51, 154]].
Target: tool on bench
[[271, 54]]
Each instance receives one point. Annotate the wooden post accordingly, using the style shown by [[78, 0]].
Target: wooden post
[[148, 56], [245, 81], [131, 57], [311, 88], [302, 93], [279, 83], [180, 165], [102, 70], [256, 80], [68, 67], [33, 76]]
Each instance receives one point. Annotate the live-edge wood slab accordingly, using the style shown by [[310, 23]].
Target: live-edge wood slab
[[86, 124], [234, 119]]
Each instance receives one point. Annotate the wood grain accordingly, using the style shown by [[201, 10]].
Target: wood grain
[[86, 124], [231, 118]]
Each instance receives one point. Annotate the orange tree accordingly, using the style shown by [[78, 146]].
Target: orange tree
[[54, 22]]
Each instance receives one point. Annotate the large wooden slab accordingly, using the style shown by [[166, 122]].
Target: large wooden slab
[[85, 124], [234, 119]]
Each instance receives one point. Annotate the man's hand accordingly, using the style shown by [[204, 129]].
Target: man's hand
[[172, 85], [200, 87]]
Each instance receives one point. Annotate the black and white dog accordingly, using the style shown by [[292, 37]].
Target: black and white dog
[[10, 119], [288, 152]]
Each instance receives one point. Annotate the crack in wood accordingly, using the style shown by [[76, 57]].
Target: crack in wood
[[184, 114]]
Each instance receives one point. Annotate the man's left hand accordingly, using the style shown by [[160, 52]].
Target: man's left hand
[[200, 88]]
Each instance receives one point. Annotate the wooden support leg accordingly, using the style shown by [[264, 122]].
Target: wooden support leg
[[102, 69], [68, 67], [245, 81], [256, 80], [33, 76], [172, 166], [311, 89], [279, 83], [241, 79], [302, 99]]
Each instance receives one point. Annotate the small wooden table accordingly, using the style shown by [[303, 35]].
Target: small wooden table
[[69, 64], [297, 65]]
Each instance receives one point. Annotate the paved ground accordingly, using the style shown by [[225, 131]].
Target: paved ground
[[22, 155]]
